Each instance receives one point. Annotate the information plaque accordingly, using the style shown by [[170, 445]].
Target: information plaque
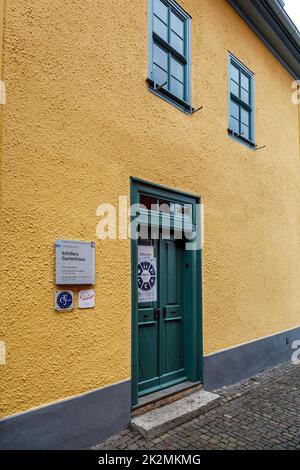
[[75, 262]]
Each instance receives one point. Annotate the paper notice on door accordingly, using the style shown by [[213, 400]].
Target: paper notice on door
[[146, 251], [147, 280]]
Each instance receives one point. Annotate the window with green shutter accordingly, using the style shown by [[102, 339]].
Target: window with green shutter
[[169, 52], [241, 102]]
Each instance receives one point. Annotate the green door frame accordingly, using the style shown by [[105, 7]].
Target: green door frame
[[193, 348]]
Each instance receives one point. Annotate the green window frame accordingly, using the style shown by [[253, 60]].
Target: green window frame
[[241, 102], [170, 52]]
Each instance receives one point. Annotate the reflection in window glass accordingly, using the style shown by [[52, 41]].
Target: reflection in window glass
[[161, 10], [160, 29], [235, 110], [235, 74], [235, 125], [177, 25], [160, 76], [244, 96], [245, 131], [160, 57], [234, 88], [177, 43], [177, 70], [245, 82], [177, 88], [245, 117]]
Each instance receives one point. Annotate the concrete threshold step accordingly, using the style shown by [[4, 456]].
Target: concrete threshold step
[[165, 397], [156, 422]]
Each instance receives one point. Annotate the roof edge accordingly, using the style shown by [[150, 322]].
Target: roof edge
[[269, 20], [277, 6]]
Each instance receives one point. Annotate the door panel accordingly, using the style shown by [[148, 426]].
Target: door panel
[[161, 323], [172, 325], [148, 350], [148, 336]]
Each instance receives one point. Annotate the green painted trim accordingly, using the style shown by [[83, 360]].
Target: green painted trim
[[134, 311], [155, 186], [166, 385], [200, 311], [194, 305]]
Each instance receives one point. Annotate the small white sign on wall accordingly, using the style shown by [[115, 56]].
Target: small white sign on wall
[[86, 298]]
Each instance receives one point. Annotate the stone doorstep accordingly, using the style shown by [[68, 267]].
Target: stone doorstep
[[165, 397], [157, 421]]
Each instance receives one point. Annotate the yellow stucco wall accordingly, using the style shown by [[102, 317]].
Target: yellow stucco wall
[[79, 121]]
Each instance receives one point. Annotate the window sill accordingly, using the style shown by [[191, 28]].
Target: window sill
[[167, 96], [241, 139]]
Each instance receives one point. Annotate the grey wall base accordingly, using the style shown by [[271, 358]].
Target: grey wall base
[[85, 420], [76, 423], [232, 365]]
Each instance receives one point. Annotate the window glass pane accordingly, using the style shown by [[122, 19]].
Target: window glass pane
[[235, 74], [245, 96], [164, 206], [177, 43], [177, 88], [160, 28], [234, 110], [160, 76], [234, 88], [245, 132], [160, 57], [245, 82], [177, 70], [177, 25], [187, 211], [161, 10], [245, 116], [234, 125], [148, 201]]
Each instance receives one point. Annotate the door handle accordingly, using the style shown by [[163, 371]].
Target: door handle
[[165, 312], [156, 313]]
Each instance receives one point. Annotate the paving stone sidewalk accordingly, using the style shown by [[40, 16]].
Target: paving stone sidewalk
[[262, 412]]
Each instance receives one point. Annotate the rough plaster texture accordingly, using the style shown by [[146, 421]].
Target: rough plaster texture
[[79, 121]]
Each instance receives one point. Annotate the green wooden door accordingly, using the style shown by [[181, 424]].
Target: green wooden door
[[171, 321], [161, 320], [148, 329]]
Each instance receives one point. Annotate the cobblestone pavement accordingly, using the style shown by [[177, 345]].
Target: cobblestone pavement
[[262, 412]]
